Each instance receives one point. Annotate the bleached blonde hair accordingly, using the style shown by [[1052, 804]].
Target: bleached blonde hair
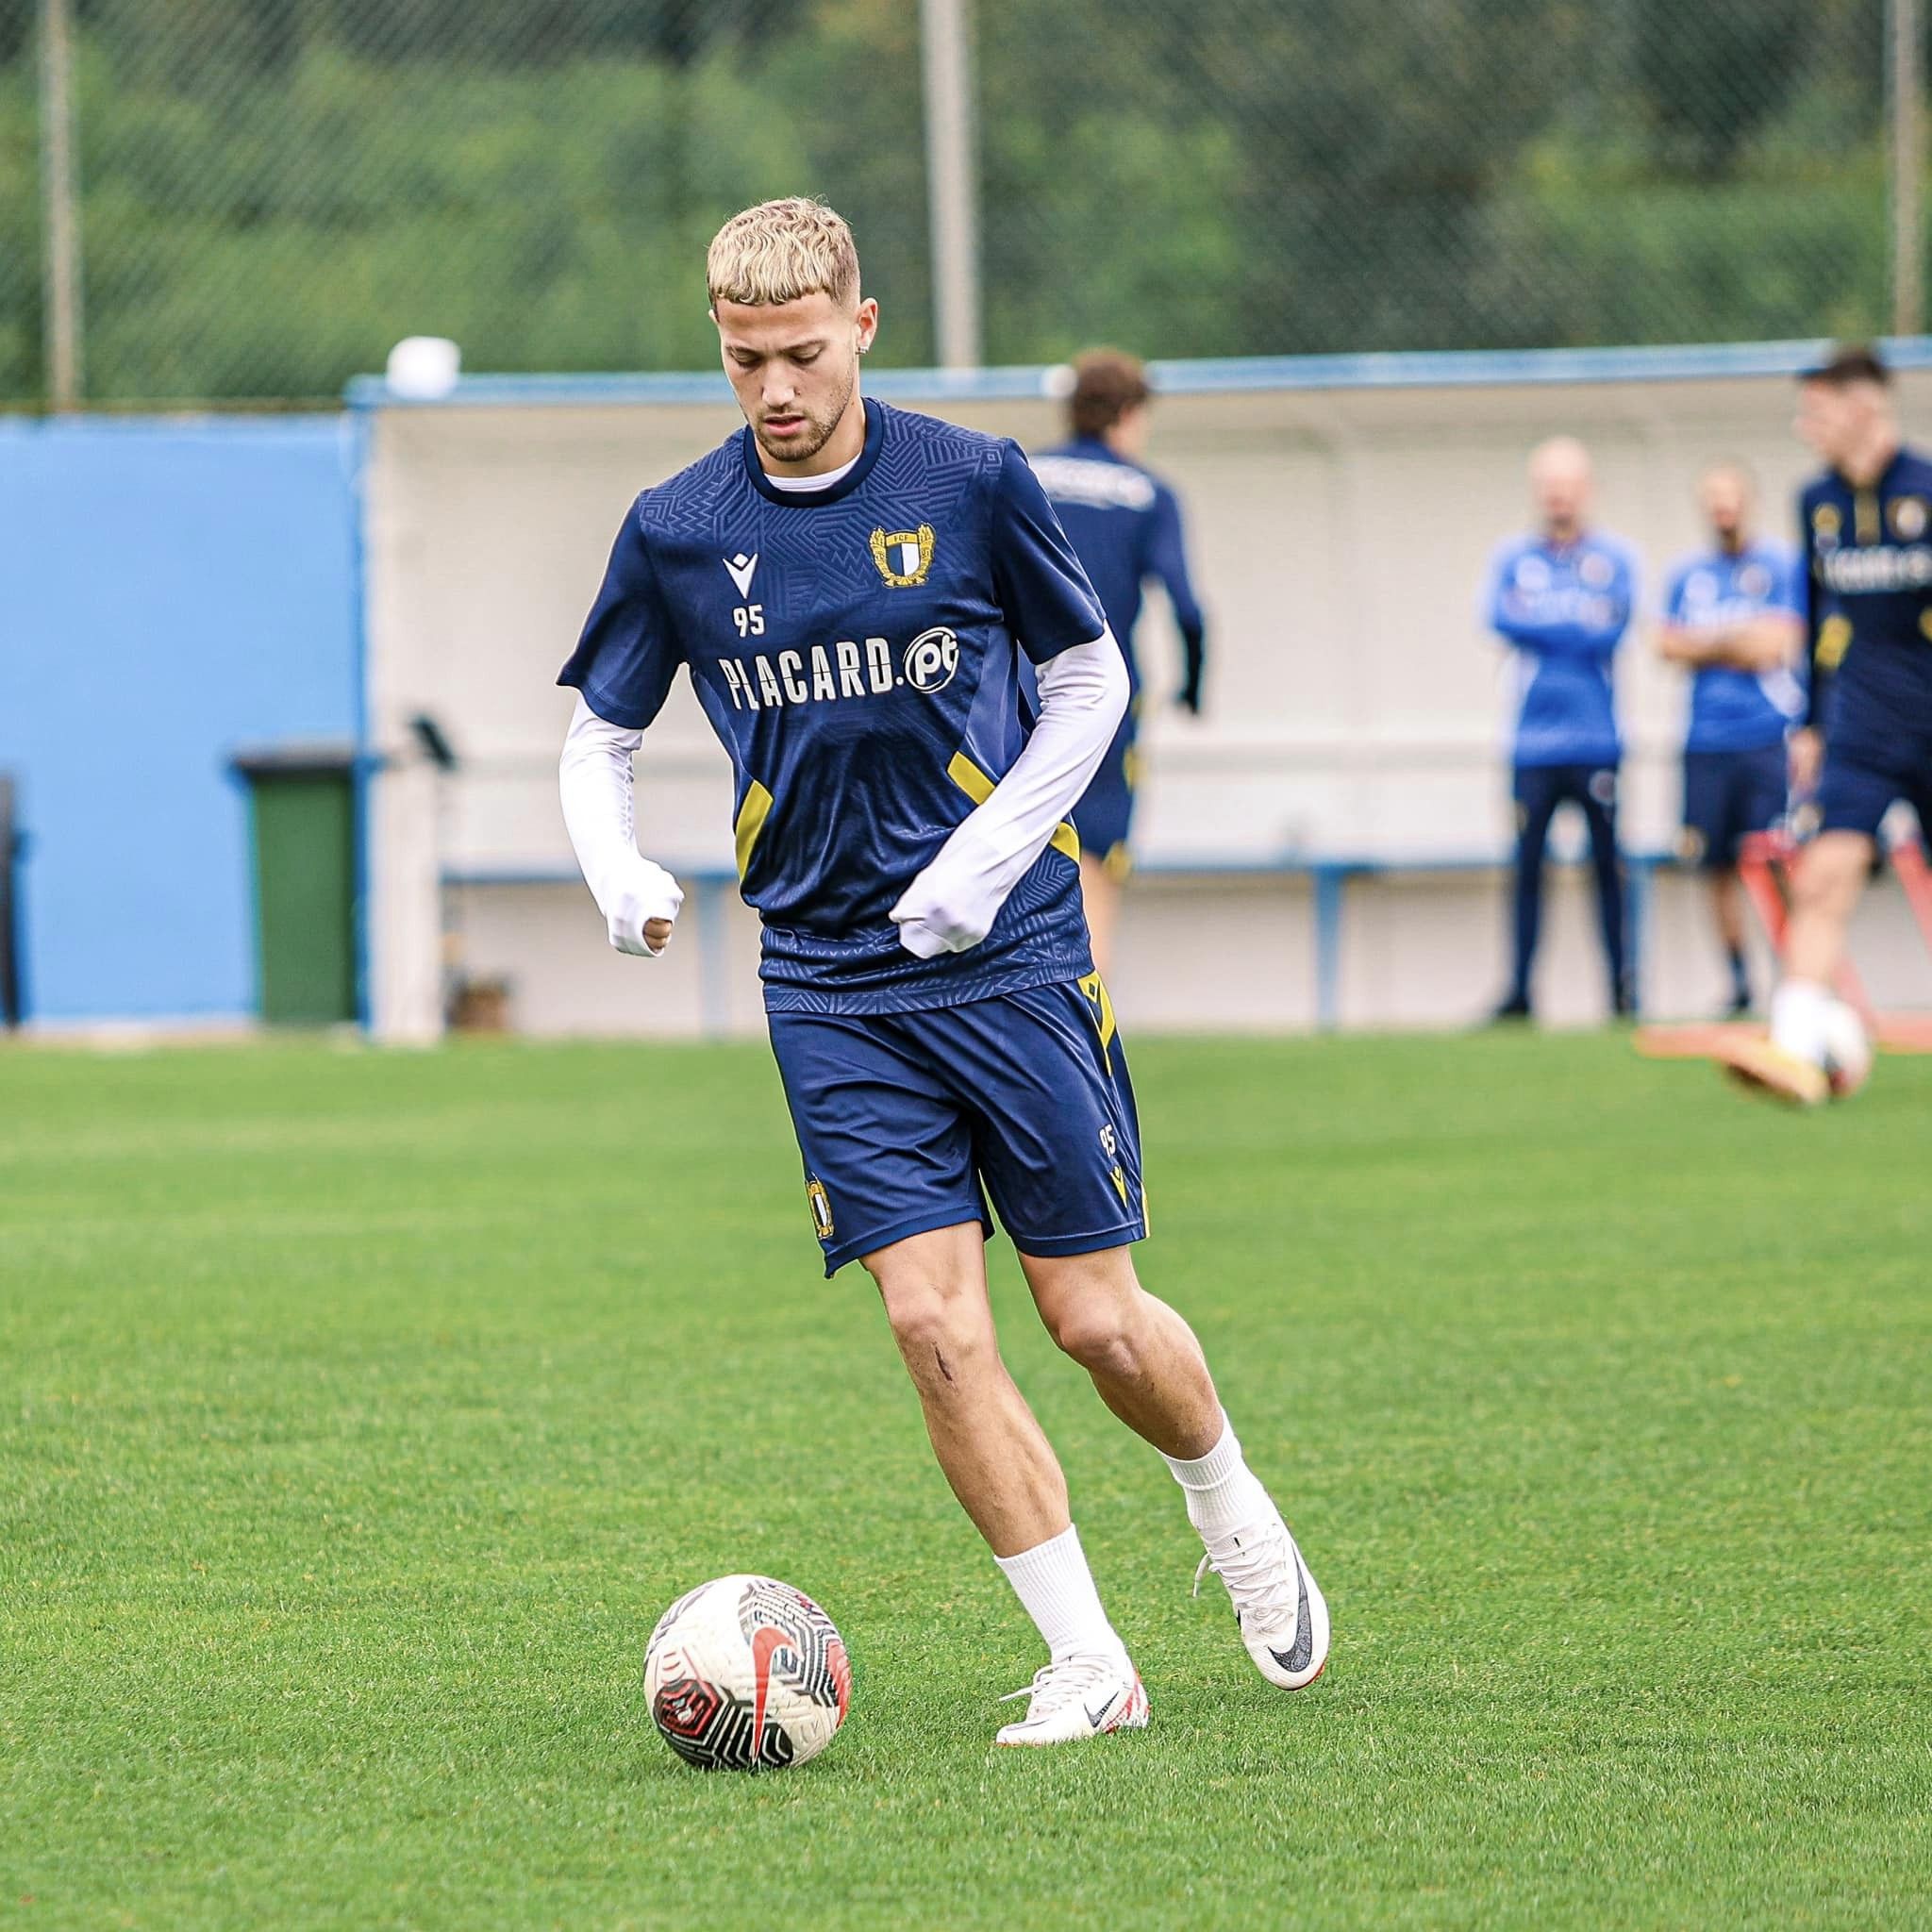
[[780, 251]]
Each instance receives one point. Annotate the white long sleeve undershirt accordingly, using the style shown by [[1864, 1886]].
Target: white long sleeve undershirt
[[597, 785], [951, 903]]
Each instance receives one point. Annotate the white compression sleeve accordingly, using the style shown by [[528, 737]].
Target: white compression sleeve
[[596, 785], [951, 905]]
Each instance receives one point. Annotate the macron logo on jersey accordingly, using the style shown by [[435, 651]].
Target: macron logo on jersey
[[739, 569]]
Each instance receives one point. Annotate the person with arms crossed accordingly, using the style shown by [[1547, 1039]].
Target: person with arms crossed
[[861, 597], [1124, 524], [1732, 619], [1560, 600], [1866, 736]]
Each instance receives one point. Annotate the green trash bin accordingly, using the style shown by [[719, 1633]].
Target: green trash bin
[[302, 799]]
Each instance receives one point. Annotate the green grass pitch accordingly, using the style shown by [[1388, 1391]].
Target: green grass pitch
[[358, 1413]]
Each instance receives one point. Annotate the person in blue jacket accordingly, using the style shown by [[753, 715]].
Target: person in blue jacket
[[1733, 619], [1560, 600]]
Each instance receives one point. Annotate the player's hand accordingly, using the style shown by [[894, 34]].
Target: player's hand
[[643, 911], [945, 909], [1806, 753]]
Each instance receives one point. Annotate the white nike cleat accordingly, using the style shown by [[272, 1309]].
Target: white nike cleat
[[1083, 1697], [1283, 1617]]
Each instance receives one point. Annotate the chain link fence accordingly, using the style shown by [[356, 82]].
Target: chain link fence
[[267, 193]]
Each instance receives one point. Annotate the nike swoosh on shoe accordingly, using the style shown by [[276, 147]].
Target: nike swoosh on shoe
[[1297, 1654], [1097, 1718]]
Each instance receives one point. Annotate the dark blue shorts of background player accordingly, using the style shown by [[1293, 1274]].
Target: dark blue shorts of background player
[[1727, 796], [908, 1121], [1539, 791], [1105, 816]]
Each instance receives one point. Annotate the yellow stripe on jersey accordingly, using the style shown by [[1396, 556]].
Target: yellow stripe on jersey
[[979, 788], [751, 822], [1833, 640]]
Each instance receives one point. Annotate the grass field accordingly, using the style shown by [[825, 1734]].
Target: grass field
[[359, 1412]]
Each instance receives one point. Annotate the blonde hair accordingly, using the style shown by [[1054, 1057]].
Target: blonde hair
[[780, 251]]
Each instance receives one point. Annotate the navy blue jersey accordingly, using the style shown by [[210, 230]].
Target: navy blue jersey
[[1732, 710], [1868, 609], [1126, 526], [1563, 610], [858, 650]]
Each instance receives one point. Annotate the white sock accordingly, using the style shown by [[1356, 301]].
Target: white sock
[[1056, 1589], [1221, 1489], [1798, 1011]]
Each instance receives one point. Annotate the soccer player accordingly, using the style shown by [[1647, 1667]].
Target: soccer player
[[1732, 619], [863, 598], [1560, 600], [1867, 739], [1124, 524]]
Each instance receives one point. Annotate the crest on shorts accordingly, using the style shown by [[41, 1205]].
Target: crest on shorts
[[904, 556], [821, 1204]]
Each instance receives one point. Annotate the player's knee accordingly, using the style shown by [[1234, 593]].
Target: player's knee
[[1830, 877], [1099, 1333], [941, 1334]]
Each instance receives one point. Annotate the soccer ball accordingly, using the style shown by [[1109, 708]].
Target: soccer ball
[[746, 1673], [1847, 1050]]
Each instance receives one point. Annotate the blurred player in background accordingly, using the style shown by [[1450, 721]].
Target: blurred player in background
[[1732, 618], [1126, 526], [851, 588], [1561, 601], [1867, 739]]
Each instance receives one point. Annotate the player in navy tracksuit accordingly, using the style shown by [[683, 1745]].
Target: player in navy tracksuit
[[1561, 601], [1124, 524], [1732, 619], [1866, 525], [893, 641]]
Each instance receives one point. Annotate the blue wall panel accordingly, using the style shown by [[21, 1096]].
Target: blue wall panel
[[169, 590]]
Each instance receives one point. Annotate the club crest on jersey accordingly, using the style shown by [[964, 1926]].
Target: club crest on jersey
[[1906, 515], [1826, 525], [821, 1207], [904, 556]]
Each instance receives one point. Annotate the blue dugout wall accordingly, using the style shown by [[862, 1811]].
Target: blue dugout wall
[[169, 590]]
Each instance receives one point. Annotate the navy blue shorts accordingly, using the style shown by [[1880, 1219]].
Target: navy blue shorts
[[1105, 816], [1729, 795], [1860, 784], [909, 1120]]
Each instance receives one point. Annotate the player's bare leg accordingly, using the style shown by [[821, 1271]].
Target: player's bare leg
[[1791, 1065], [1100, 890], [1007, 1480], [1146, 1365], [1148, 1368], [993, 1453], [1824, 895]]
